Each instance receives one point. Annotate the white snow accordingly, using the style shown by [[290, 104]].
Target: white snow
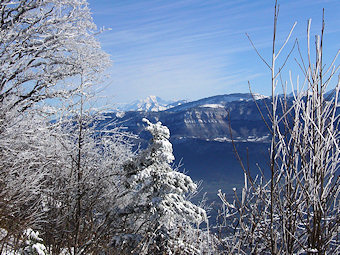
[[39, 248], [215, 106], [259, 96], [312, 250], [32, 235], [162, 134], [149, 104], [120, 114], [222, 139], [239, 139]]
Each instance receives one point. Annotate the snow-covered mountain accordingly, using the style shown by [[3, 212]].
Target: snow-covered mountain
[[157, 104], [149, 104], [204, 119], [220, 101]]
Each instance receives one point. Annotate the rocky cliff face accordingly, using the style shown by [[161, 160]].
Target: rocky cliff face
[[206, 119]]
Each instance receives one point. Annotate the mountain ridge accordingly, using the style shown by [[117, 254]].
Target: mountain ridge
[[156, 104], [206, 119], [149, 104]]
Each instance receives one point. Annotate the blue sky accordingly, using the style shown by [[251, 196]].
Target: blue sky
[[192, 49]]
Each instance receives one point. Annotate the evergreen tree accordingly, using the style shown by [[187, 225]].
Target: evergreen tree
[[158, 206]]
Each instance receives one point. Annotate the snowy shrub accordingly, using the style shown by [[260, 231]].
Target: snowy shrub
[[297, 210], [48, 50], [33, 244]]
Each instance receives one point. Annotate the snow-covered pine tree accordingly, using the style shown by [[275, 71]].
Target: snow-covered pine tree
[[158, 208]]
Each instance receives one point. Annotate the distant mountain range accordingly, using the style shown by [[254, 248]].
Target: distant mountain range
[[201, 137], [204, 119], [200, 134], [149, 104], [157, 104]]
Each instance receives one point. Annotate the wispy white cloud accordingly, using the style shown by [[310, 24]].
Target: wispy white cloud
[[192, 48]]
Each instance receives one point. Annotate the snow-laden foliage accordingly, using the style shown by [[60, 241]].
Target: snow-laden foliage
[[27, 148], [33, 244], [61, 180], [296, 211], [58, 173], [43, 42], [158, 214], [81, 195]]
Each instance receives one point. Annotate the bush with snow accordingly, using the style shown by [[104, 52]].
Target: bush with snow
[[33, 244], [296, 210]]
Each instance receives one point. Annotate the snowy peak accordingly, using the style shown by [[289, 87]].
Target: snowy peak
[[259, 96], [149, 104], [220, 101], [205, 119], [157, 104]]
